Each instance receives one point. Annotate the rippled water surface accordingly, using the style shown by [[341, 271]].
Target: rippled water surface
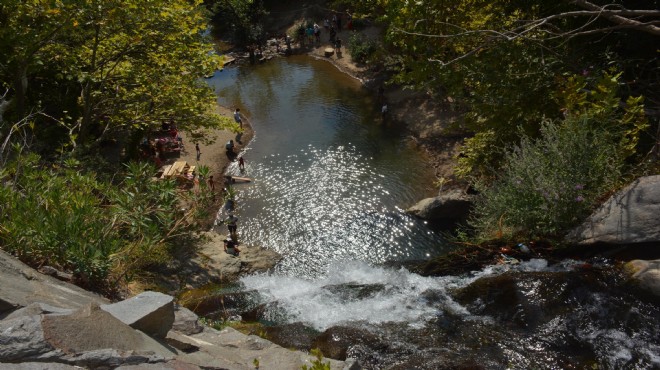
[[330, 180], [329, 186]]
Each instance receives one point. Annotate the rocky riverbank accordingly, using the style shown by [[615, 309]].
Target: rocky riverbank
[[49, 324]]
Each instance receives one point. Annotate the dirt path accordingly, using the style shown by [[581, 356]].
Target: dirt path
[[213, 154]]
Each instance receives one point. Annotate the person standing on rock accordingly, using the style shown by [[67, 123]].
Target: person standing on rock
[[237, 117], [317, 34], [241, 163], [231, 224], [338, 47]]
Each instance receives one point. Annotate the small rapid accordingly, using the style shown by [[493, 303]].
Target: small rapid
[[527, 315]]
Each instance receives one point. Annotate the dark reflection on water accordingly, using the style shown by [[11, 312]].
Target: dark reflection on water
[[330, 179]]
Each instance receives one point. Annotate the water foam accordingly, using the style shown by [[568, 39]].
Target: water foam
[[354, 291]]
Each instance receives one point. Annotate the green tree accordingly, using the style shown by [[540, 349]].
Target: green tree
[[240, 20], [100, 67], [503, 60]]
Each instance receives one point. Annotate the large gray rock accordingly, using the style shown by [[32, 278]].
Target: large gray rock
[[149, 312], [646, 274], [630, 216], [23, 338], [213, 261], [445, 210], [21, 285], [185, 321], [88, 337]]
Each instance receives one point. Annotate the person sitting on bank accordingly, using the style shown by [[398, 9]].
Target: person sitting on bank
[[231, 247]]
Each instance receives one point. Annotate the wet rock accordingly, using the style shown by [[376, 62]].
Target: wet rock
[[337, 341], [628, 217], [525, 300], [210, 301], [149, 312], [646, 274], [444, 211], [295, 335]]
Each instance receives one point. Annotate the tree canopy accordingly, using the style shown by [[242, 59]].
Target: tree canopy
[[87, 69], [506, 62]]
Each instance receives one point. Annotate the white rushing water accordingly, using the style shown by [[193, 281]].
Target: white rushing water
[[354, 291]]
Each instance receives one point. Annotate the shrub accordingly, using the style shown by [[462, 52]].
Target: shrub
[[549, 184], [361, 48], [65, 217]]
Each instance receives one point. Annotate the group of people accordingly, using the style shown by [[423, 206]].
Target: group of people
[[312, 32]]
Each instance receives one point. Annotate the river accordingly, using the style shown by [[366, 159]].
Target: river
[[330, 182]]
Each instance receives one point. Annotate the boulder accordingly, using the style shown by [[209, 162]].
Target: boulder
[[88, 337], [23, 338], [445, 210], [213, 260], [150, 312], [631, 216], [646, 274], [186, 321], [22, 285]]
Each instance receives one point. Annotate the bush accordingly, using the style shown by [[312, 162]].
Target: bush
[[64, 217], [550, 184], [361, 48]]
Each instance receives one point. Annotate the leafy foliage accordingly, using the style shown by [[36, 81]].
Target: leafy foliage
[[62, 216], [240, 20], [504, 68], [548, 184], [360, 47], [318, 363], [101, 67]]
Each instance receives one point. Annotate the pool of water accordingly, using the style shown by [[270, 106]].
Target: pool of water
[[330, 178], [330, 182]]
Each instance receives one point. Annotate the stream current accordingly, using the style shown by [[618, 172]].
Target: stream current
[[330, 182]]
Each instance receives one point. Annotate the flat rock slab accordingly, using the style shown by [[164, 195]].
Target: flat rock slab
[[22, 285], [228, 267], [234, 350], [149, 312], [38, 366]]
